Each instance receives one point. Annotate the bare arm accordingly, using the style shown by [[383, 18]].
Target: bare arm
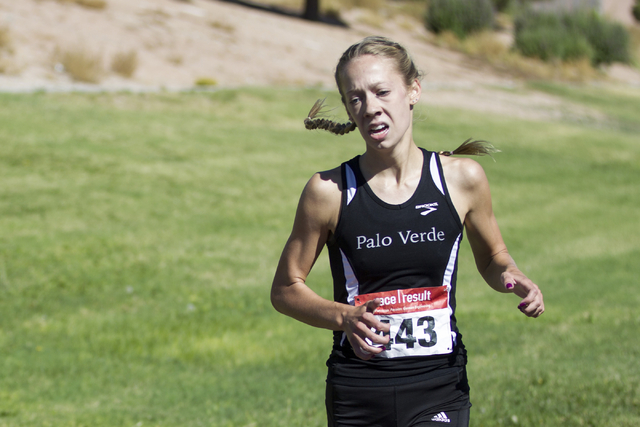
[[316, 218], [472, 197]]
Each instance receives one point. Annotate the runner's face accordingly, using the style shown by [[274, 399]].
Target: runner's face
[[378, 100]]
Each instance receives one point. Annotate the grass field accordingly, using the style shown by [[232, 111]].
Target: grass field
[[139, 234]]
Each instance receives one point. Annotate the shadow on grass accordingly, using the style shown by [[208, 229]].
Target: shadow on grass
[[324, 19]]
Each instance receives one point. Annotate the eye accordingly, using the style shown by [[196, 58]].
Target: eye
[[354, 100], [383, 92]]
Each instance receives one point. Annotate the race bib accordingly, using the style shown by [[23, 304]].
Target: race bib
[[418, 318]]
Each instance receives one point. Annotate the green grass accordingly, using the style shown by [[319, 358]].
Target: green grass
[[139, 234]]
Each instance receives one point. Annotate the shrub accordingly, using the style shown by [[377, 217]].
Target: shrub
[[505, 5], [549, 43], [462, 17], [485, 44], [81, 64], [501, 5], [365, 4], [92, 4], [610, 40], [222, 26], [636, 10], [6, 49], [570, 37], [206, 82], [5, 39], [125, 63]]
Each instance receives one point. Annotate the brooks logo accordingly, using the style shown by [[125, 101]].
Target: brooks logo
[[430, 207]]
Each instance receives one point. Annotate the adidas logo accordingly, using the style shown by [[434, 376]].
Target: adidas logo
[[441, 418], [430, 207]]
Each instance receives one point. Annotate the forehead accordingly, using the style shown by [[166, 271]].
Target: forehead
[[367, 70]]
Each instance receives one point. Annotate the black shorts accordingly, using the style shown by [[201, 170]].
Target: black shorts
[[442, 400]]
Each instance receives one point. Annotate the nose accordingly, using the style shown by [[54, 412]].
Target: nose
[[372, 107]]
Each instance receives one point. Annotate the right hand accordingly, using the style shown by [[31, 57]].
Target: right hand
[[361, 326]]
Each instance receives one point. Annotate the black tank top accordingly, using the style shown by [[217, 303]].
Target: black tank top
[[379, 247]]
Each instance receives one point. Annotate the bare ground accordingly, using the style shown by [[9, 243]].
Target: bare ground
[[179, 42]]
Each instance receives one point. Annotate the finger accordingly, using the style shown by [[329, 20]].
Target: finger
[[375, 324], [362, 353], [530, 294], [524, 288], [539, 311], [508, 281], [373, 304], [534, 309], [520, 287], [368, 326], [358, 348], [526, 309], [371, 320], [368, 336], [535, 313], [376, 335], [364, 350], [365, 332]]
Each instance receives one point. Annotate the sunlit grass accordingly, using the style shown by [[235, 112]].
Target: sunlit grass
[[140, 234]]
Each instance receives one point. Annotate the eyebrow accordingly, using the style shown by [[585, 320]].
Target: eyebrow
[[375, 85]]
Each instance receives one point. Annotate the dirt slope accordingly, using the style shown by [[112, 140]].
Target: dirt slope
[[178, 42]]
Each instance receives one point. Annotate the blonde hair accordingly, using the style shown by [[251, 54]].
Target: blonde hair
[[314, 122], [472, 147], [374, 45], [386, 48]]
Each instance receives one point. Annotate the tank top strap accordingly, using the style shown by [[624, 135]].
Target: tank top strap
[[435, 170]]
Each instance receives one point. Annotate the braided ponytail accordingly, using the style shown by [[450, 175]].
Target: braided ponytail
[[472, 148], [311, 122], [468, 148]]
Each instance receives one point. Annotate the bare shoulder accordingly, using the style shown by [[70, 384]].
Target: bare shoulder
[[467, 184], [324, 186], [321, 198], [463, 173]]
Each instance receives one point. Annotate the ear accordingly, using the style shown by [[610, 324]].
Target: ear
[[415, 90]]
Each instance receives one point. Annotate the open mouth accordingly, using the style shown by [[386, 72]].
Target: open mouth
[[378, 130]]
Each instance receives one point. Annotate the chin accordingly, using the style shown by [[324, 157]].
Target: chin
[[381, 145]]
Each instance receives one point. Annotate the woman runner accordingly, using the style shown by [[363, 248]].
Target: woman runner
[[392, 220]]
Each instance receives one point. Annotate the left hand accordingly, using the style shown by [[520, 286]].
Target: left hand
[[532, 304]]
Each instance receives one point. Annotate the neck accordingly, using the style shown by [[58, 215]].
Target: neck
[[398, 163]]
